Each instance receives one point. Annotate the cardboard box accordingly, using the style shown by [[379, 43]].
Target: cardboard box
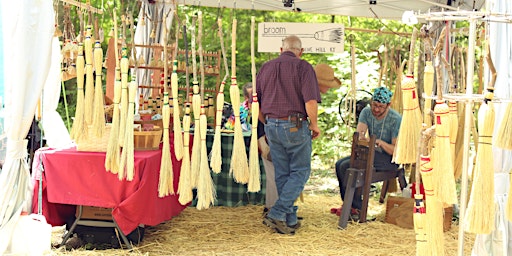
[[399, 211], [95, 213]]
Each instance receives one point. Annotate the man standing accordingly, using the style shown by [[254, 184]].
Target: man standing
[[383, 122], [288, 93]]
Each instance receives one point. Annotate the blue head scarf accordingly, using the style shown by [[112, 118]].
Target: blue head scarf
[[382, 95]]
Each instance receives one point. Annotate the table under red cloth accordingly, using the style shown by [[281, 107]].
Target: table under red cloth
[[73, 178]]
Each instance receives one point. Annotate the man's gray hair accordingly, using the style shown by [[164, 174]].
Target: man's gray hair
[[291, 43]]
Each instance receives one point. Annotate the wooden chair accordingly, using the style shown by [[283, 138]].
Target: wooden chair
[[361, 174]]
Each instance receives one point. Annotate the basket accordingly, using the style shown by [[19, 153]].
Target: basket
[[147, 140], [93, 143], [394, 203]]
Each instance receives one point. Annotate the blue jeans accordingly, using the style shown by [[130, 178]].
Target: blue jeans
[[290, 148]]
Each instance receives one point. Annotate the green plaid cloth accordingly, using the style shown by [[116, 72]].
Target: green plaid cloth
[[230, 193]]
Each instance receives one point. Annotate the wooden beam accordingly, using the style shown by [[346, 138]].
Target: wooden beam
[[81, 5]]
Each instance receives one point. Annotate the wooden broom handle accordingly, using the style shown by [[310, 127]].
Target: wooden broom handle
[[410, 64]]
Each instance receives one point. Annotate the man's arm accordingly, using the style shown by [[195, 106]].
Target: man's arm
[[388, 148], [361, 129], [312, 111]]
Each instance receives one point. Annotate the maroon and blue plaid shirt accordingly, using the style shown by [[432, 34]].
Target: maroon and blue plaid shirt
[[285, 84]]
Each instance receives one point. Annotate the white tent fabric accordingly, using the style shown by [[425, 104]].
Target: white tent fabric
[[499, 242], [55, 132], [28, 27]]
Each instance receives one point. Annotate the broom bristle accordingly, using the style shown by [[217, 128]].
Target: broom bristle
[[166, 171], [444, 180], [454, 127], [254, 184], [113, 149], [480, 213], [459, 149], [124, 97], [205, 188], [419, 220], [89, 81], [128, 137], [98, 121], [196, 146], [79, 128], [406, 150], [184, 188], [216, 152], [505, 130], [178, 137], [239, 166]]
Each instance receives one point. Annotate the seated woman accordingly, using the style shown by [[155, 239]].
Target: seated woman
[[245, 111]]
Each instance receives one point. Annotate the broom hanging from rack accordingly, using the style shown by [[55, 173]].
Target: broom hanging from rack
[[195, 161], [89, 81], [98, 121], [79, 128], [254, 184], [178, 137]]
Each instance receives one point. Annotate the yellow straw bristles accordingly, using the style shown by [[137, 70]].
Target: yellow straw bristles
[[239, 167], [419, 220], [409, 134], [434, 215], [216, 152], [98, 120], [124, 95], [89, 81], [454, 128], [444, 180], [113, 148], [166, 185], [195, 162], [184, 188], [127, 156], [205, 188], [428, 84], [79, 126], [480, 213], [504, 140], [254, 184], [178, 137]]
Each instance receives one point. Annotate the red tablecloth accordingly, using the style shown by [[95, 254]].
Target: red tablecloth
[[79, 178]]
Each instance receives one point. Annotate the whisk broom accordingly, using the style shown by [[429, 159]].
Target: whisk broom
[[127, 156], [178, 137], [254, 184], [98, 121], [184, 188], [239, 167], [165, 185], [89, 81], [113, 148], [480, 212], [196, 146], [79, 128], [124, 63], [205, 188]]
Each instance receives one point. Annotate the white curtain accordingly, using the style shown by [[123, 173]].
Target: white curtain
[[499, 242], [28, 27], [55, 132]]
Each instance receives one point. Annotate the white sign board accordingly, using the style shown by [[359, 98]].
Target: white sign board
[[315, 37]]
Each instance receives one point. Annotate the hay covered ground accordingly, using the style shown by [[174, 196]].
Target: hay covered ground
[[239, 231]]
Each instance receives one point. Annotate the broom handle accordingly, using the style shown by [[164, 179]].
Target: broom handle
[[410, 64], [233, 48], [253, 62], [223, 49], [187, 79]]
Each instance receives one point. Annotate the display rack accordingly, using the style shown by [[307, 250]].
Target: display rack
[[468, 98]]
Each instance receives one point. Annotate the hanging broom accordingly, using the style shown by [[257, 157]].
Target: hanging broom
[[126, 165], [124, 95], [196, 146], [79, 126], [216, 152], [89, 81], [434, 215], [254, 184], [428, 78], [453, 116], [480, 213], [205, 188], [113, 147], [184, 188], [419, 211], [178, 137], [239, 167], [165, 185], [408, 135], [98, 121]]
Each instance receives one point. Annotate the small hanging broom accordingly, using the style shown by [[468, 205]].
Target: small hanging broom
[[419, 211], [216, 152], [205, 188], [239, 167], [165, 185], [408, 136], [184, 188], [254, 184], [98, 121], [124, 63], [127, 156], [79, 126], [196, 146], [89, 81], [480, 213], [178, 137], [113, 148]]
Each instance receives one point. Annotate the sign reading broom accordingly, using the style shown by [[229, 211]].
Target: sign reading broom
[[316, 37]]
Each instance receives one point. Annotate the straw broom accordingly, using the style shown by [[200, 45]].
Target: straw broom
[[79, 126], [89, 81], [254, 184], [239, 167], [216, 152], [196, 146], [434, 216], [98, 121], [124, 95], [419, 211], [126, 165], [184, 188], [165, 184], [454, 128], [178, 137], [113, 148], [205, 188], [408, 136], [479, 217]]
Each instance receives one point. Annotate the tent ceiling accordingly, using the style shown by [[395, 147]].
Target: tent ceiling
[[384, 9]]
